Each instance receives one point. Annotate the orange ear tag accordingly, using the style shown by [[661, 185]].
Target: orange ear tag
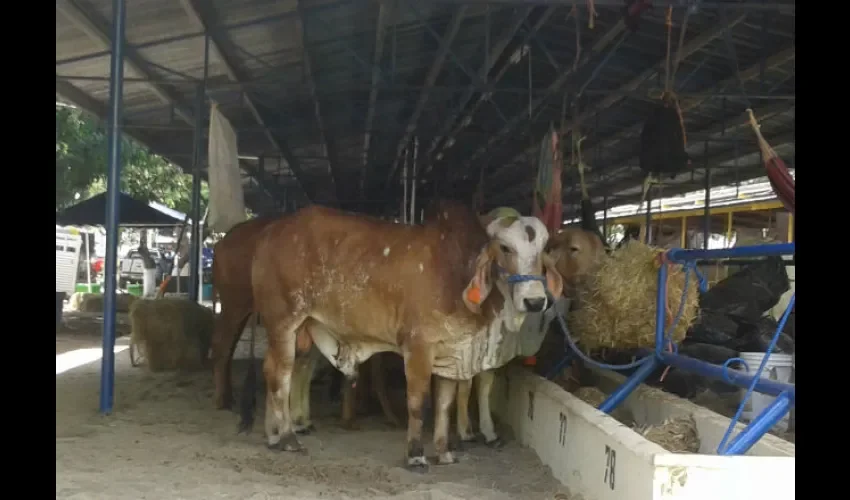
[[474, 295]]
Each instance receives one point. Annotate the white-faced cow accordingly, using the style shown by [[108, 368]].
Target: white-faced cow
[[373, 286]]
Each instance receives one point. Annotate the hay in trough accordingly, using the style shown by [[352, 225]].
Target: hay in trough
[[676, 434], [615, 302], [174, 333], [594, 397], [93, 302]]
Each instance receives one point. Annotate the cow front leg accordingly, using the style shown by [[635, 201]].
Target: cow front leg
[[418, 360], [277, 369], [485, 418], [445, 396], [464, 429], [349, 404]]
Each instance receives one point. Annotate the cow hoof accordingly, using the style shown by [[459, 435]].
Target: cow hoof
[[456, 445], [446, 458], [495, 444], [245, 427], [417, 464], [350, 425], [305, 431], [222, 403], [290, 443]]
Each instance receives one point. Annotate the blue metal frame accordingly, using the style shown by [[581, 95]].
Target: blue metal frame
[[785, 392], [113, 178]]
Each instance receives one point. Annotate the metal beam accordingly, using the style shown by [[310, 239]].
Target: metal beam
[[97, 31], [687, 49], [688, 104], [433, 73], [327, 142], [617, 183], [494, 55], [384, 13], [735, 6], [553, 89], [98, 109], [195, 16]]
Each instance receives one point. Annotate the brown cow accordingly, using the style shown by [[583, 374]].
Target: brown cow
[[232, 282], [374, 286], [576, 252], [231, 270]]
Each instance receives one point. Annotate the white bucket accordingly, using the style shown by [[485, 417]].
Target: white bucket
[[779, 368]]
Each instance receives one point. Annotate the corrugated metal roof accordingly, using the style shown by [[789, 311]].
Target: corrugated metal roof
[[485, 113]]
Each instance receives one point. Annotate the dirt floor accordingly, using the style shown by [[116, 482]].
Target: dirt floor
[[164, 440]]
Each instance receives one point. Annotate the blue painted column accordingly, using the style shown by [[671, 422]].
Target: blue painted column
[[197, 160], [113, 177]]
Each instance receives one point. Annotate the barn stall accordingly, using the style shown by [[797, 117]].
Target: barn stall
[[377, 107]]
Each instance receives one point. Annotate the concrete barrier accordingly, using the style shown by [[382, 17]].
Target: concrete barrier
[[599, 458]]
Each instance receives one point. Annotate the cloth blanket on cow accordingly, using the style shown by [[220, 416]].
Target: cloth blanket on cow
[[496, 346]]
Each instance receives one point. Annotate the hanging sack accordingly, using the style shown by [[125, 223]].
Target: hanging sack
[[662, 142]]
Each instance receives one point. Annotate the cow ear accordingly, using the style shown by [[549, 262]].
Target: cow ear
[[478, 289], [554, 280]]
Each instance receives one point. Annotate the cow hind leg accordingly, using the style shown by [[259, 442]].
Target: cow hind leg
[[464, 429], [445, 396], [227, 330], [485, 418], [418, 361], [278, 369], [379, 386], [305, 425], [349, 405]]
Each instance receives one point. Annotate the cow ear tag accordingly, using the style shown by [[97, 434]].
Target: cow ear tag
[[473, 295]]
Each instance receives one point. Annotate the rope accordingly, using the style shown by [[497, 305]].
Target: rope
[[591, 13], [669, 23], [766, 150]]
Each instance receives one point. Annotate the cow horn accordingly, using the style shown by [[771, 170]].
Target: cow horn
[[507, 213]]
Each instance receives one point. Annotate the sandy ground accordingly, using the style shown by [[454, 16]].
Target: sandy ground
[[164, 440]]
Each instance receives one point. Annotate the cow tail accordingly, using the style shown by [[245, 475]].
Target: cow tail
[[248, 403]]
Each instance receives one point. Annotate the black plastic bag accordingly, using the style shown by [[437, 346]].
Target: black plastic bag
[[662, 142], [707, 352], [750, 292], [714, 329], [755, 336]]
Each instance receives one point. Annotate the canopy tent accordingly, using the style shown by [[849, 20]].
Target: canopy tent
[[92, 212]]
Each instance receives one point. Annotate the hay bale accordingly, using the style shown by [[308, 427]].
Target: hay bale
[[594, 397], [174, 333], [93, 302], [76, 300], [615, 302], [676, 434]]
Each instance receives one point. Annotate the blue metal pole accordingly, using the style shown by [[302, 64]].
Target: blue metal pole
[[631, 383], [728, 375], [765, 420], [660, 308], [113, 177], [195, 247], [770, 250]]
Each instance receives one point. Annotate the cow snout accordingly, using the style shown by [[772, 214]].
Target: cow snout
[[534, 305]]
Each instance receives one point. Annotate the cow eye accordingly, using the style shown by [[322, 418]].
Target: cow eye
[[504, 249], [574, 249]]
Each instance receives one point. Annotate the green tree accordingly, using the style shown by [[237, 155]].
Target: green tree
[[81, 152]]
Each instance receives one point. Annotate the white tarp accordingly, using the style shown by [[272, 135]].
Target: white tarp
[[227, 204], [495, 347]]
